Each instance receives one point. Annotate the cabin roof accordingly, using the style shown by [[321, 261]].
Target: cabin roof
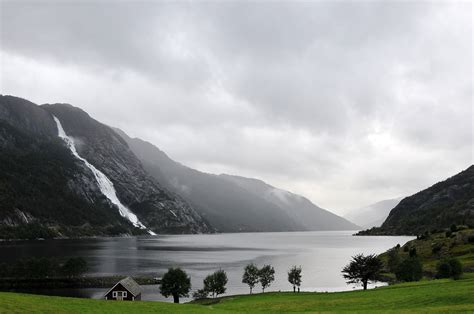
[[131, 285]]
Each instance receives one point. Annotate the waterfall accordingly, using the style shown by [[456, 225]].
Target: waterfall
[[105, 185]]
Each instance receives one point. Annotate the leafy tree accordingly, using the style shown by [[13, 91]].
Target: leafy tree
[[410, 269], [294, 277], [393, 259], [451, 267], [74, 267], [175, 283], [362, 269], [251, 276], [215, 283], [267, 276], [412, 252]]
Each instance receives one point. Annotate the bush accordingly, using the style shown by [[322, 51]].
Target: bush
[[200, 294], [449, 268], [393, 259], [409, 269], [74, 267], [470, 239], [436, 248], [453, 228], [448, 233]]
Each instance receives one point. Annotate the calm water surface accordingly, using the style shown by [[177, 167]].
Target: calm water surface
[[322, 255]]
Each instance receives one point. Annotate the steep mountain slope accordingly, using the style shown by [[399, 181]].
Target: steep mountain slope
[[43, 187], [229, 206], [439, 206], [299, 208], [373, 215]]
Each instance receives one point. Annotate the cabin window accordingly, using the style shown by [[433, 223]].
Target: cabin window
[[124, 294], [114, 294]]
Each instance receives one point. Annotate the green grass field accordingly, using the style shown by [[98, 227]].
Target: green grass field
[[440, 296]]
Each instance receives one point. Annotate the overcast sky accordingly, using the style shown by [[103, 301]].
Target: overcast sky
[[347, 103]]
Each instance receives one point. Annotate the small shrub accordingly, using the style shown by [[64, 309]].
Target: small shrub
[[436, 248], [453, 228], [200, 294], [449, 268], [448, 233], [409, 269]]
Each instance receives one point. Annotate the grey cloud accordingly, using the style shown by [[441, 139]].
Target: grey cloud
[[326, 98]]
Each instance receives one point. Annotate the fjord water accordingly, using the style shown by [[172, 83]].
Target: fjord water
[[322, 255]]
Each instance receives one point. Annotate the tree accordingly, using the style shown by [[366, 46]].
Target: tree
[[215, 283], [251, 276], [410, 269], [294, 277], [175, 283], [451, 267], [267, 276], [75, 266], [393, 259], [363, 269]]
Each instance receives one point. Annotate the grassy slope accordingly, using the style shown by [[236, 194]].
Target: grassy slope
[[457, 246], [432, 296]]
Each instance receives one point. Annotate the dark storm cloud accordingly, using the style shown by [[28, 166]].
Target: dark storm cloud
[[345, 102]]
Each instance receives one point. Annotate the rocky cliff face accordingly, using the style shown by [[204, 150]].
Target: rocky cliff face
[[437, 207], [157, 208], [45, 191]]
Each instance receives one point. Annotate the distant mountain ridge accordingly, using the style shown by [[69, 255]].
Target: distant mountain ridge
[[235, 204], [299, 208], [373, 215], [439, 206]]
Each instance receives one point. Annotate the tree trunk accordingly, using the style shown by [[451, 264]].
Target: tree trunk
[[250, 290], [365, 285], [294, 289], [298, 289], [176, 298]]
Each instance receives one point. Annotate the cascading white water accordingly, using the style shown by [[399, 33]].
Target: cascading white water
[[105, 185]]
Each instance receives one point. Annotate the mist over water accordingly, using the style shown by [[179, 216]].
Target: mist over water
[[105, 185], [322, 255]]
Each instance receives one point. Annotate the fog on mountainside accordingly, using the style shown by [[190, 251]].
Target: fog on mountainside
[[232, 205]]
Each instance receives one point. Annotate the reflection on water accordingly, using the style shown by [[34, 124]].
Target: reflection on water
[[321, 254]]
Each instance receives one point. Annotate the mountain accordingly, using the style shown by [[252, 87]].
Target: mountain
[[46, 190], [230, 204], [372, 215], [437, 207], [298, 208]]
